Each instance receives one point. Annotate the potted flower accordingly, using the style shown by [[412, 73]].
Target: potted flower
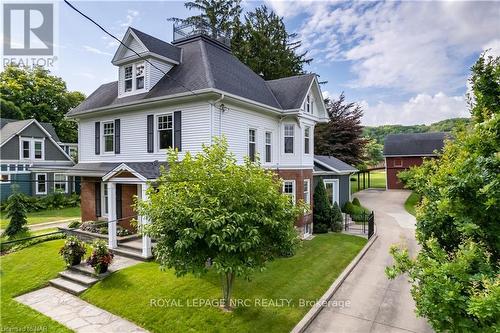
[[73, 251], [101, 257]]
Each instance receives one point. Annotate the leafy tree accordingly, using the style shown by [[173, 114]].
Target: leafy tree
[[373, 152], [34, 93], [207, 212], [337, 220], [455, 277], [342, 137], [16, 211], [217, 15], [322, 212], [264, 45], [485, 98]]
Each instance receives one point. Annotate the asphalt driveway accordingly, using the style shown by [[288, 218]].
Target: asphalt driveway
[[376, 304]]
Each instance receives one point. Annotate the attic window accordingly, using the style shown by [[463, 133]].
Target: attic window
[[134, 77]]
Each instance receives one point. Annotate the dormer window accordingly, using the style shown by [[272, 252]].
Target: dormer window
[[134, 77]]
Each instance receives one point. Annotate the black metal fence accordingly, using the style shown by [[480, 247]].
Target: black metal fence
[[363, 223]]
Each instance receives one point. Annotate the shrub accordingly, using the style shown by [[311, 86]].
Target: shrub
[[120, 231], [50, 201], [337, 219], [72, 251], [16, 211], [356, 202], [74, 225], [348, 208], [322, 212], [101, 257]]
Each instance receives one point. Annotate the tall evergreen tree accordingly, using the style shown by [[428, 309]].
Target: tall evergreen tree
[[322, 210], [217, 15], [16, 211], [342, 137], [264, 45]]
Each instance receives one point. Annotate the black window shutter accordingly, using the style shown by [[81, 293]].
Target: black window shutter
[[150, 120], [177, 130], [118, 201], [97, 142], [98, 199], [117, 136]]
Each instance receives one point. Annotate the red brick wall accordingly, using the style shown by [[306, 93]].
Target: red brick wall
[[397, 164], [299, 175], [128, 192], [87, 198]]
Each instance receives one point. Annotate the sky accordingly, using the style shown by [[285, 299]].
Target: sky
[[404, 62]]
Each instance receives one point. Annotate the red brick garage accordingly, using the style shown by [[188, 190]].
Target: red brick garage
[[402, 151]]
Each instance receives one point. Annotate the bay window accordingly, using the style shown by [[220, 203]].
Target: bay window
[[289, 138], [307, 139]]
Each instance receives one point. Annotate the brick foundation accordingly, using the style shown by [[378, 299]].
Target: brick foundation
[[299, 175]]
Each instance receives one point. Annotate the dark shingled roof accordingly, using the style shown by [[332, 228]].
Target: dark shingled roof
[[416, 144], [291, 91], [15, 125], [333, 163], [149, 170], [158, 46], [205, 65]]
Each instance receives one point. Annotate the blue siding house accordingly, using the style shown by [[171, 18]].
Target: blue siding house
[[31, 156]]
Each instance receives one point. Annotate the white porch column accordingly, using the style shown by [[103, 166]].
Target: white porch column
[[146, 240], [112, 244]]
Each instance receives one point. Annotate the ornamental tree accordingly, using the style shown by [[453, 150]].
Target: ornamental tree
[[16, 211], [209, 213], [322, 211]]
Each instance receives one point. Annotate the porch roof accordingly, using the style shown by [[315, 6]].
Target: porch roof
[[331, 164], [148, 170]]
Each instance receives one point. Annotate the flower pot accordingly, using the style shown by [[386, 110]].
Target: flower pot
[[76, 261], [101, 269]]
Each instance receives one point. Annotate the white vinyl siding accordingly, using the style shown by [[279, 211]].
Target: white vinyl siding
[[133, 134]]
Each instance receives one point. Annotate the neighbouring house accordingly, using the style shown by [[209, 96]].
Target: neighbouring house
[[33, 158], [402, 151], [336, 176], [126, 126]]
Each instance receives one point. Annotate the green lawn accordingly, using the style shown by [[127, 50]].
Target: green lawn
[[132, 292], [24, 271], [46, 216], [377, 180], [411, 202]]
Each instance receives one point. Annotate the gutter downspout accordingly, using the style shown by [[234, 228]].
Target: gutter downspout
[[221, 111]]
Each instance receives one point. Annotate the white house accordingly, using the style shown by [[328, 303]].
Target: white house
[[183, 94]]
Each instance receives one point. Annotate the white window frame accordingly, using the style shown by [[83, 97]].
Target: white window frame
[[398, 165], [134, 77], [307, 194], [42, 143], [21, 153], [31, 148], [254, 142], [308, 138], [157, 131], [307, 229], [268, 144], [104, 199], [8, 178], [131, 79], [293, 195], [104, 123], [308, 104], [336, 189], [59, 182], [37, 183], [285, 136]]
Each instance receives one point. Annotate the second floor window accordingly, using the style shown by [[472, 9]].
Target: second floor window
[[307, 139], [109, 137], [308, 104], [165, 131], [38, 150], [26, 149], [289, 137], [252, 144], [134, 78], [268, 147], [32, 149]]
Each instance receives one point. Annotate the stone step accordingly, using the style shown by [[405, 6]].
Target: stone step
[[133, 246], [78, 277], [129, 253], [68, 286], [89, 271]]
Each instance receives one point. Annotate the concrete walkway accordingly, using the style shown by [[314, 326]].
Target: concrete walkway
[[376, 303], [75, 313]]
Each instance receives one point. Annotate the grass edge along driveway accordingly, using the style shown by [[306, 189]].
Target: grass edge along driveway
[[161, 302], [22, 272]]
